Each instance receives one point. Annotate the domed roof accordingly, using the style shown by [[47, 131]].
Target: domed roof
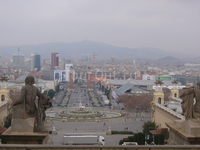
[[21, 79]]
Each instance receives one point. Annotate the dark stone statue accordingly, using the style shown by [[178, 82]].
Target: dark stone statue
[[197, 98], [28, 96], [191, 102], [26, 106], [187, 97], [43, 104]]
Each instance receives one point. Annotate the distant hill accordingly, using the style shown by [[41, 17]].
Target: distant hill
[[196, 58], [168, 58], [87, 48]]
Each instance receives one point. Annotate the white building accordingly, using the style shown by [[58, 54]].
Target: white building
[[148, 77]]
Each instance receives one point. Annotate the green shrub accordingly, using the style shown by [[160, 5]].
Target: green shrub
[[128, 139], [159, 139], [122, 132], [123, 140], [131, 138], [136, 137], [114, 132], [141, 138], [162, 139], [150, 140]]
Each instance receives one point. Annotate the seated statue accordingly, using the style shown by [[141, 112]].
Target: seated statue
[[25, 107], [191, 102], [187, 97], [43, 104], [197, 103]]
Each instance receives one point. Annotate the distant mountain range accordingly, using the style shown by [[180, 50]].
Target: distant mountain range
[[85, 49], [168, 58]]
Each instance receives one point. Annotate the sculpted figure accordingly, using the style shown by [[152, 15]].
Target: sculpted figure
[[28, 96], [43, 104], [197, 104], [25, 107], [187, 103]]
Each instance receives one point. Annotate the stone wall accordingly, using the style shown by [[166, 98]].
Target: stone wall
[[161, 117], [83, 147]]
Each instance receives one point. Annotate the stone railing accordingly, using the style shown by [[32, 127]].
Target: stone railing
[[171, 111], [96, 147], [3, 102], [177, 99]]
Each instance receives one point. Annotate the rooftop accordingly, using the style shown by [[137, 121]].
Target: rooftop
[[139, 82]]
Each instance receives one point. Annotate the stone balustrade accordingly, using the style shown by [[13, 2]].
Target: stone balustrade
[[97, 147], [171, 111]]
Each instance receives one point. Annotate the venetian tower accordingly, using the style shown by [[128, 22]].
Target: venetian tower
[[174, 91], [158, 96], [5, 100], [4, 91], [89, 78]]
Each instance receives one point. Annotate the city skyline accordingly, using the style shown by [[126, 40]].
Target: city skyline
[[167, 25]]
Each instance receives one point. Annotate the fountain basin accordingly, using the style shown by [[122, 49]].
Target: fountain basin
[[89, 114]]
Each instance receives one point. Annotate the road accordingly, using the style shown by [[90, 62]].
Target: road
[[78, 97]]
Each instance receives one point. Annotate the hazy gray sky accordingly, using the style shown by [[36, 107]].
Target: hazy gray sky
[[172, 25]]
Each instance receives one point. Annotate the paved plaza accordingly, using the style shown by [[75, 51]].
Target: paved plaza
[[96, 127], [131, 123]]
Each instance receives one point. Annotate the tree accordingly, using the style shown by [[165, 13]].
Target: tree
[[146, 128], [7, 121], [51, 93], [107, 93], [165, 132], [135, 102], [102, 88], [149, 126], [57, 88]]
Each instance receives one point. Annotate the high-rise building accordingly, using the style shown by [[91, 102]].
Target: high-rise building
[[35, 62], [18, 60], [54, 61]]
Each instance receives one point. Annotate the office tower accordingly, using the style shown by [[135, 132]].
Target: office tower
[[54, 61], [35, 62], [18, 60]]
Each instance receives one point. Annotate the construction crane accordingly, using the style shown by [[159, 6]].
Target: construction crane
[[94, 55]]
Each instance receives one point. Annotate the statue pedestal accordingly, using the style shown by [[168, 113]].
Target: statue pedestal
[[22, 133], [184, 132], [109, 131], [22, 125]]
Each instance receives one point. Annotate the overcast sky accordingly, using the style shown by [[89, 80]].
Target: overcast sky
[[171, 25]]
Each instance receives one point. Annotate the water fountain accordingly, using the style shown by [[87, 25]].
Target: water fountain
[[82, 112]]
